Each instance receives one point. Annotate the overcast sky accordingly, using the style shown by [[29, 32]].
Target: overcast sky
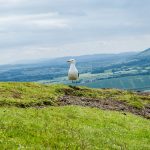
[[34, 29]]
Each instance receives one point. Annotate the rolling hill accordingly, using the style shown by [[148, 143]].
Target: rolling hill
[[143, 55], [49, 69], [95, 70]]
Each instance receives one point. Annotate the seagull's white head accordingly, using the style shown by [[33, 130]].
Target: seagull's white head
[[71, 61]]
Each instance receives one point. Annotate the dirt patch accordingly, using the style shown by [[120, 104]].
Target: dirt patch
[[16, 95], [107, 104]]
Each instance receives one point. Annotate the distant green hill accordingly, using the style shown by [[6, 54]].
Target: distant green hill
[[141, 59], [95, 71], [134, 73], [52, 68], [144, 54]]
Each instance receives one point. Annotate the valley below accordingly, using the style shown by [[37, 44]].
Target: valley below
[[124, 71]]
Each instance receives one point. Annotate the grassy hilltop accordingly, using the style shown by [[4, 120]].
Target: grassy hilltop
[[28, 122]]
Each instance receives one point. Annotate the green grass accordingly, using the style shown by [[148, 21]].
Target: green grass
[[28, 94], [34, 94], [71, 128], [24, 125], [130, 98]]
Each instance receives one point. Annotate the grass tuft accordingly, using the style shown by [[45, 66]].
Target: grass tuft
[[70, 128]]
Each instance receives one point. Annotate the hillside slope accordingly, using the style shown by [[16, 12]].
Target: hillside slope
[[28, 122], [53, 68], [143, 55], [38, 95]]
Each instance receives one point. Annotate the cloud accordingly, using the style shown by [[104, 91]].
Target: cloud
[[46, 20], [104, 45], [72, 27]]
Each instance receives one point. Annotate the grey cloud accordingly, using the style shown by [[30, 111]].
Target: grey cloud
[[53, 24]]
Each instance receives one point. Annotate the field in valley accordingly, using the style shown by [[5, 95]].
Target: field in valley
[[140, 82]]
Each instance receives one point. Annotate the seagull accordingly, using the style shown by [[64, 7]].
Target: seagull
[[73, 73]]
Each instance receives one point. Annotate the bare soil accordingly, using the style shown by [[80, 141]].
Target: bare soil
[[107, 104]]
